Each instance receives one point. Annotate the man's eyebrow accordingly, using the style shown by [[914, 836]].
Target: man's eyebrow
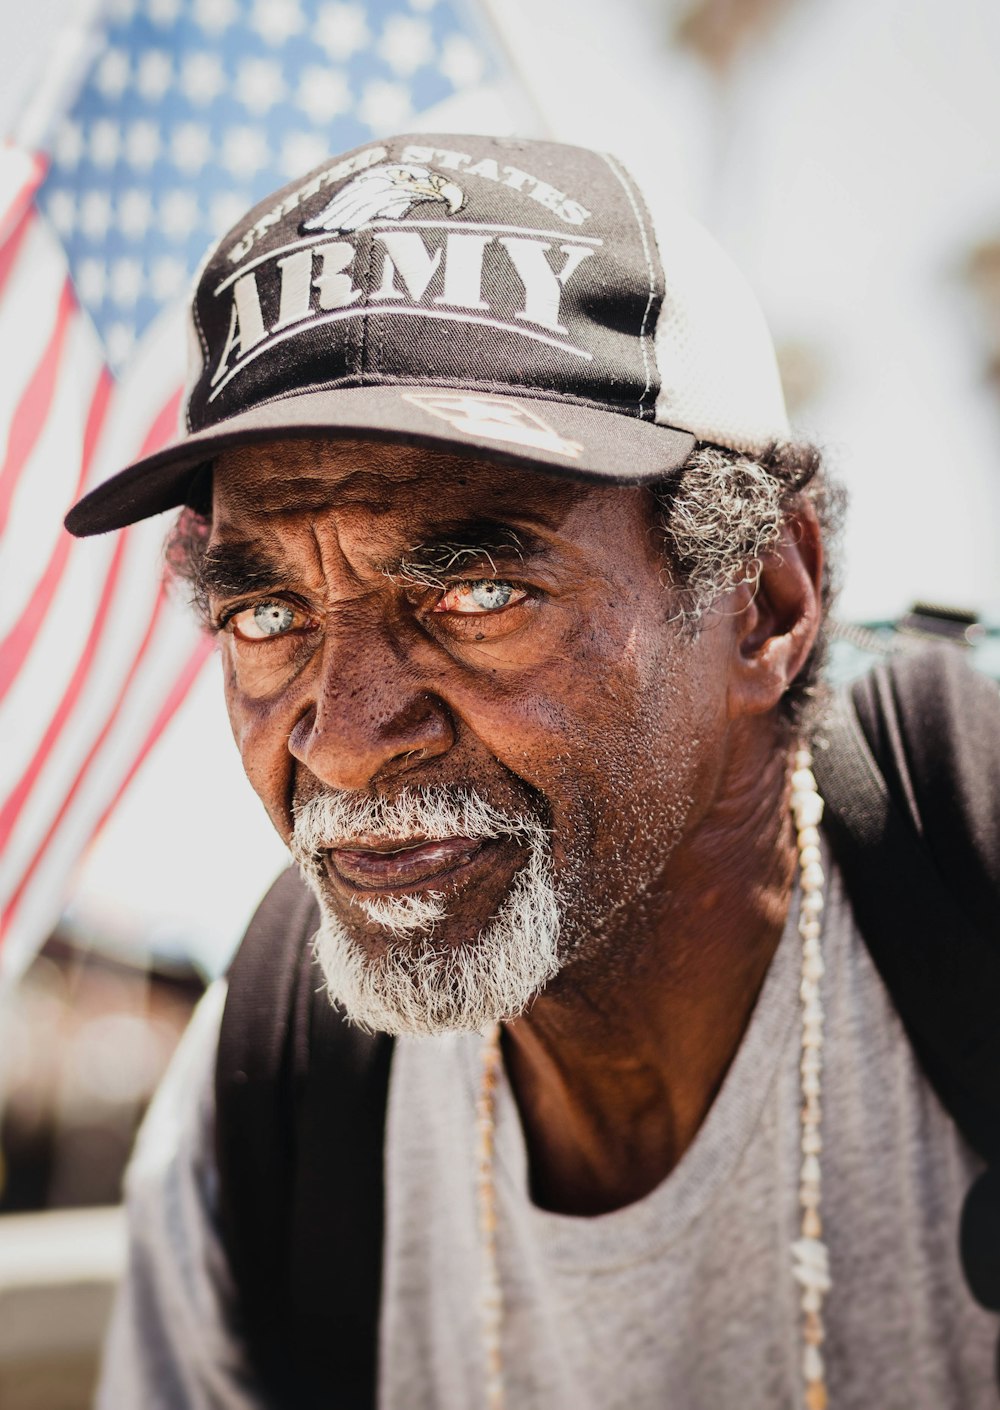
[[455, 546], [231, 569]]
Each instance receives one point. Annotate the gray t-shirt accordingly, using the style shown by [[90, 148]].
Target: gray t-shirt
[[683, 1299]]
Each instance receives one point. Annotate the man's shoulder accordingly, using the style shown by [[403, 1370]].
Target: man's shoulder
[[178, 1127]]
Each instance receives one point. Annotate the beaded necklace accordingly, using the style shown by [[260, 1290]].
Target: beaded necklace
[[810, 1262]]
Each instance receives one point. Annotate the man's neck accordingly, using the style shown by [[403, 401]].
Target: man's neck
[[615, 1068]]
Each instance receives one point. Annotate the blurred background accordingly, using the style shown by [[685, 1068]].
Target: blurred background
[[843, 150]]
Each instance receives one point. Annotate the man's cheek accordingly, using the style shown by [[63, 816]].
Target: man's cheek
[[261, 730]]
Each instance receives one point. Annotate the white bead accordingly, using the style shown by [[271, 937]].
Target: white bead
[[809, 1277], [808, 990], [809, 854], [812, 1300], [812, 967], [808, 837], [812, 904], [812, 1142], [803, 758], [809, 1174], [812, 877], [803, 781], [809, 929], [812, 1363], [808, 809]]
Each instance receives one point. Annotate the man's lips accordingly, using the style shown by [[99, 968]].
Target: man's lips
[[402, 864]]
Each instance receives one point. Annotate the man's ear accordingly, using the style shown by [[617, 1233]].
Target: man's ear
[[775, 630]]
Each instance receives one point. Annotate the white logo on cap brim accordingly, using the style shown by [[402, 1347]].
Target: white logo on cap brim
[[387, 191], [493, 419]]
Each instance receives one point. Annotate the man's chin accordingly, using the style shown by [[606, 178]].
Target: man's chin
[[416, 968]]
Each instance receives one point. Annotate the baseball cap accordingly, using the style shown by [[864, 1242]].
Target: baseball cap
[[514, 300]]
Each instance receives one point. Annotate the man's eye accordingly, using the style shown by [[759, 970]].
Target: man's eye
[[488, 595], [265, 620]]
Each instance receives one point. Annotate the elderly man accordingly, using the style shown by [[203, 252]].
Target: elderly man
[[519, 586]]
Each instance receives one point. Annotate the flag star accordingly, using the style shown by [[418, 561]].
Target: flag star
[[163, 12], [322, 94], [214, 16], [135, 213], [202, 79], [68, 146], [383, 105], [62, 211], [302, 151], [111, 77], [126, 282], [168, 275], [154, 75], [95, 214], [406, 44], [118, 340], [461, 61], [341, 29], [276, 20], [259, 84], [142, 144], [227, 208], [91, 281], [178, 214], [105, 143], [190, 147], [245, 151]]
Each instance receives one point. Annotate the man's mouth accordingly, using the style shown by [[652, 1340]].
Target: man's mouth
[[404, 865]]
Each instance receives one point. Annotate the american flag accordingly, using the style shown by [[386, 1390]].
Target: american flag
[[185, 112]]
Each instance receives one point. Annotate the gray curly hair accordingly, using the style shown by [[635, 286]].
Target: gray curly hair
[[718, 516]]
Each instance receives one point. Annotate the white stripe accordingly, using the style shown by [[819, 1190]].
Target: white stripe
[[49, 476], [20, 175], [45, 895], [156, 370], [27, 317], [443, 314], [51, 668], [650, 269]]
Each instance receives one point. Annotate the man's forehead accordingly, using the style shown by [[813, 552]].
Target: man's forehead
[[285, 479]]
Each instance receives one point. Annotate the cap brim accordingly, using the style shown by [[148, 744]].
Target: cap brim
[[560, 437]]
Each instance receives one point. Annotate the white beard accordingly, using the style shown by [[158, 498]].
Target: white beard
[[415, 985]]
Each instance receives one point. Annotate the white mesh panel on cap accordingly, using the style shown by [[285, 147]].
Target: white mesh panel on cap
[[718, 373]]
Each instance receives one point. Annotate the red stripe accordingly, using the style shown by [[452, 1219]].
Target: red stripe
[[179, 690], [35, 404], [18, 642], [17, 207], [10, 251], [19, 793], [173, 699], [163, 428]]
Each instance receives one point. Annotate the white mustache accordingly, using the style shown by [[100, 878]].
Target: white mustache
[[432, 813]]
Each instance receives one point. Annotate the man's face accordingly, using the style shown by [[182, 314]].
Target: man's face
[[459, 693]]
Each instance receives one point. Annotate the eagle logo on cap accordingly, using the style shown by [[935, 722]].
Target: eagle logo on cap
[[388, 191]]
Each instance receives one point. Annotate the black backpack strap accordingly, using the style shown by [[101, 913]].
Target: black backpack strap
[[911, 778], [300, 1117]]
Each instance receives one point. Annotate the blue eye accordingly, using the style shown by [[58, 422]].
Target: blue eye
[[480, 597], [265, 619]]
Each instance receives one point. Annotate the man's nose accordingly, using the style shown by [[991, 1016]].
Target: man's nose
[[373, 717]]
